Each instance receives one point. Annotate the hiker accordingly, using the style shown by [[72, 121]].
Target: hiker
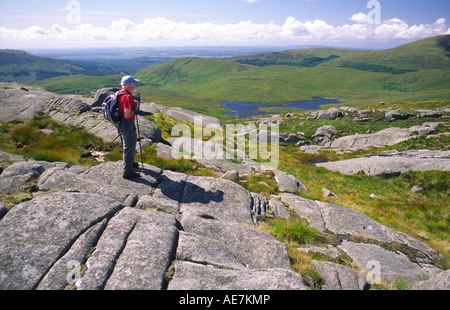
[[128, 108]]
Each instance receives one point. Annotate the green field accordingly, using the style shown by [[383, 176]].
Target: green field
[[414, 72]]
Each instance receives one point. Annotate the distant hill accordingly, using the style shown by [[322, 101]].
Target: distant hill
[[427, 54], [416, 71], [20, 66]]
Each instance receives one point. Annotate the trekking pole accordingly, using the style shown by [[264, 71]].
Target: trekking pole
[[139, 138]]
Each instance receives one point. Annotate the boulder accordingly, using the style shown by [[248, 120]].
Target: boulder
[[440, 282], [350, 224], [386, 137], [190, 116], [104, 179], [393, 265], [290, 138], [338, 277], [431, 113], [36, 234], [252, 248], [17, 103], [288, 183], [393, 164], [278, 209], [330, 114], [133, 253], [67, 104], [14, 177], [190, 276], [396, 115], [216, 198]]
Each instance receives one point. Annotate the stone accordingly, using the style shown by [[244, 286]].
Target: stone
[[35, 234], [19, 104], [10, 157], [440, 282], [133, 252], [190, 116], [190, 276], [217, 198], [101, 94], [288, 183], [104, 179], [395, 115], [433, 114], [204, 250], [149, 130], [344, 222], [290, 138], [279, 210], [330, 114], [393, 164], [329, 194], [338, 277], [394, 265], [252, 248], [416, 189], [67, 104], [231, 175], [14, 177]]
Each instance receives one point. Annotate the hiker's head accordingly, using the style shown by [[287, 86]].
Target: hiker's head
[[128, 82]]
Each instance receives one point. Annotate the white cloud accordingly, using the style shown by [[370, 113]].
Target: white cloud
[[162, 31], [359, 18]]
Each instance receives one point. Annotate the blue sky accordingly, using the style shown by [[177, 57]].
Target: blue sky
[[346, 23]]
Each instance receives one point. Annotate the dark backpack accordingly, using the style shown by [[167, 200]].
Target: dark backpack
[[110, 108]]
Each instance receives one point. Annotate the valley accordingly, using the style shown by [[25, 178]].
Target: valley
[[361, 177]]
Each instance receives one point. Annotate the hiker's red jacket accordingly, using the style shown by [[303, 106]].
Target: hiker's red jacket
[[126, 101]]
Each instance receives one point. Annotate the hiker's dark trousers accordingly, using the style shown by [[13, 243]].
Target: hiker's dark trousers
[[127, 130]]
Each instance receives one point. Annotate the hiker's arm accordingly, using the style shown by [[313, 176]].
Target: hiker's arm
[[128, 113]]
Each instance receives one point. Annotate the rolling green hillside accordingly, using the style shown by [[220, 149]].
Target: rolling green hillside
[[427, 54], [349, 76], [20, 66], [308, 57], [414, 72]]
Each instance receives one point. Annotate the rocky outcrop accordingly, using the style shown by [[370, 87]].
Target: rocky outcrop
[[124, 235], [365, 241], [181, 114], [87, 228], [22, 102], [393, 164], [386, 137]]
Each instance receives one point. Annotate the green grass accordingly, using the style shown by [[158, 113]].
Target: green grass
[[64, 143]]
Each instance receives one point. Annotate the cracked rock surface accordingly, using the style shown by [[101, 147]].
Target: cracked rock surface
[[89, 229]]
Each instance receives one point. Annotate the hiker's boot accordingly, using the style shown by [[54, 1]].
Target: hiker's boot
[[131, 176]]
